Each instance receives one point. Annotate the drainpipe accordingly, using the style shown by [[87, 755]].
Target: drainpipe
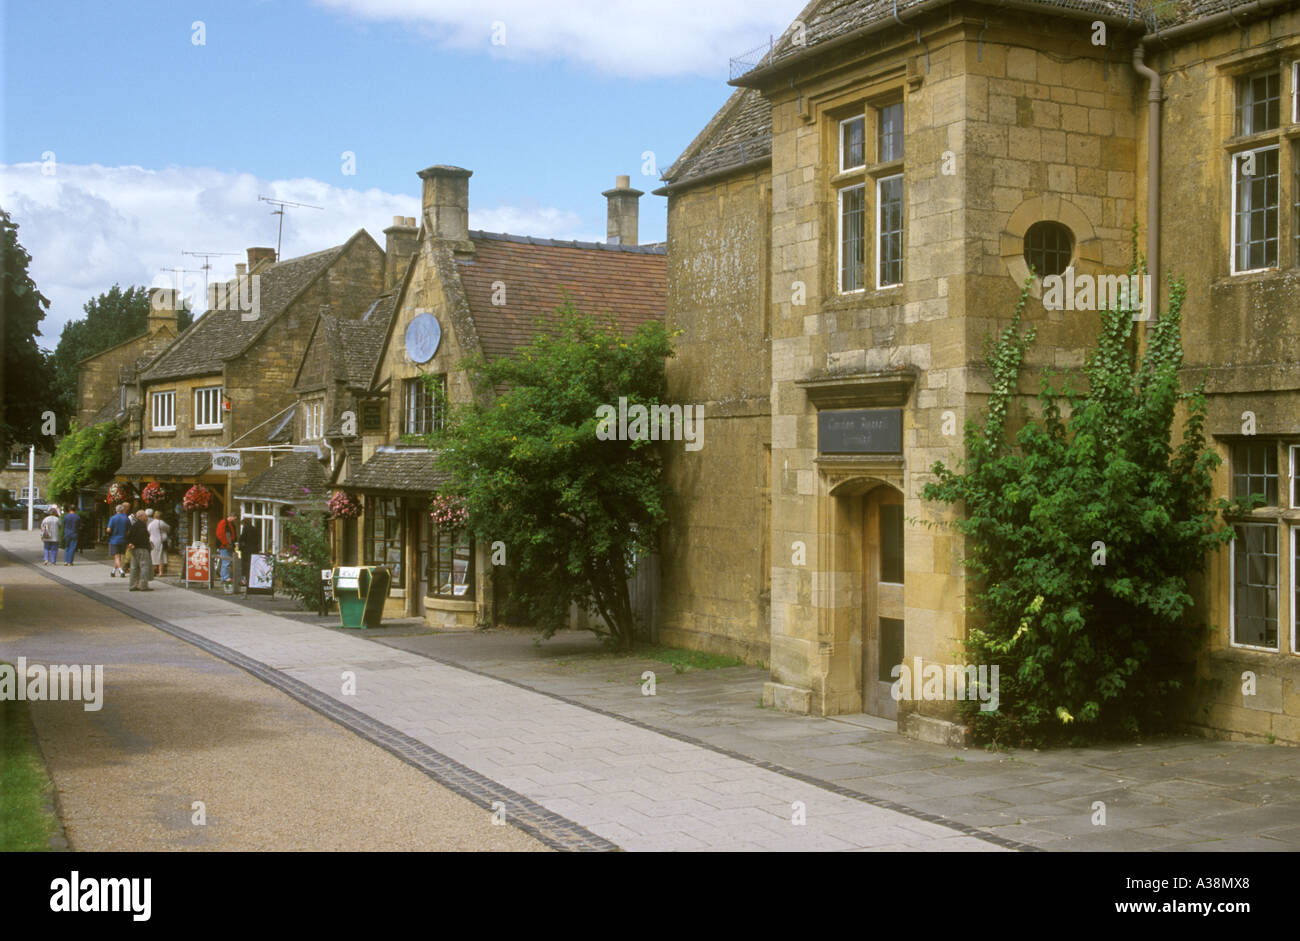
[[1154, 98]]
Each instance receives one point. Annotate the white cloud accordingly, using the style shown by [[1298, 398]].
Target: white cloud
[[90, 226], [621, 37]]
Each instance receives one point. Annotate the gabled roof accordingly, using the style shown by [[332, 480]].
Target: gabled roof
[[352, 347], [223, 334], [628, 281], [298, 477]]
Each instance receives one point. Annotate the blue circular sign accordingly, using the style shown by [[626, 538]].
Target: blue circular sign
[[423, 335]]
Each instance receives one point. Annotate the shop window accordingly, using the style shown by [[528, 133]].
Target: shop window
[[383, 542], [452, 572], [264, 518]]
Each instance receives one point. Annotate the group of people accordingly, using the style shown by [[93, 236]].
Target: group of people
[[54, 527], [140, 540], [142, 535]]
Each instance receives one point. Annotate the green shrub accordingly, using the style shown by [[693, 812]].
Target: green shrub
[[307, 551], [1081, 535]]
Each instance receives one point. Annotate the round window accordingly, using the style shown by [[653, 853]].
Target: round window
[[1049, 247]]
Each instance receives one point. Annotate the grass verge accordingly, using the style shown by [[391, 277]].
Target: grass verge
[[25, 823]]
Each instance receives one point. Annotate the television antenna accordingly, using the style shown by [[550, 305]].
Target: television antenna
[[207, 264], [283, 204], [177, 272]]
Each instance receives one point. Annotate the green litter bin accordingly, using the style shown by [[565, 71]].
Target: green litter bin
[[360, 592]]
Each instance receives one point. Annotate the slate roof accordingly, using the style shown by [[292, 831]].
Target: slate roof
[[407, 470], [298, 478], [221, 334], [628, 281], [741, 131], [353, 347], [170, 462]]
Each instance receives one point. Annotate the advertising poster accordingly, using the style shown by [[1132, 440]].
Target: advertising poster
[[197, 565]]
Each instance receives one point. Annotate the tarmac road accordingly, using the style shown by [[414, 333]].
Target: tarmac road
[[179, 726]]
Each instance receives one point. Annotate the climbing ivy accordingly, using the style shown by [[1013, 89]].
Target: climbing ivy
[[1081, 534]]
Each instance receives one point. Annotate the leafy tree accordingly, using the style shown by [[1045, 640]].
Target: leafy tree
[[1081, 536], [111, 318], [308, 548], [573, 511], [26, 372], [84, 458]]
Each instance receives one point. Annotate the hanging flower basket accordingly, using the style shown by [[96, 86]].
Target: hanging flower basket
[[343, 505], [197, 498], [154, 494], [118, 493], [449, 513]]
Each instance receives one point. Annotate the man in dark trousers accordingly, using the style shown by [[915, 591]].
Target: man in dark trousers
[[249, 542], [71, 529], [138, 541]]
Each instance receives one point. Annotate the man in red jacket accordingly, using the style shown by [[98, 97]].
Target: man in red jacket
[[226, 537]]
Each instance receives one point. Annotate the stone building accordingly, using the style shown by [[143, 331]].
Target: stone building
[[462, 292], [225, 384], [863, 211], [14, 476]]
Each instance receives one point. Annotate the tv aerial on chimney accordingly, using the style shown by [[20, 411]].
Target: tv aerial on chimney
[[207, 264], [177, 272], [283, 204]]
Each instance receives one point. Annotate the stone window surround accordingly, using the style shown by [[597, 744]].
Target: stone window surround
[[1286, 61], [1047, 208], [889, 92], [155, 399]]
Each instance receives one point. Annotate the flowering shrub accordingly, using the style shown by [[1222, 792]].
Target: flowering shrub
[[307, 552], [118, 493], [448, 512], [343, 505], [197, 498], [154, 494]]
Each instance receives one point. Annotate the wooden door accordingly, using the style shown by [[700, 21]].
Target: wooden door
[[882, 612]]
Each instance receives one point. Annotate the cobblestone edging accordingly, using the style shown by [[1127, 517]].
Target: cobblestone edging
[[555, 831], [964, 829]]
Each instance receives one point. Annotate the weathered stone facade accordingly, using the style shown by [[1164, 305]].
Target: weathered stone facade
[[1008, 118]]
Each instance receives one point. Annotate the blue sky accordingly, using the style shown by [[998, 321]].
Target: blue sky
[[161, 145]]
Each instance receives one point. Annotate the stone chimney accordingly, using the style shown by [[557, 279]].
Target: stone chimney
[[162, 310], [622, 222], [241, 271], [257, 256], [400, 244], [445, 203]]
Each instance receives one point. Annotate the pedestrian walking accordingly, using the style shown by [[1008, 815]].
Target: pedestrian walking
[[226, 536], [119, 527], [50, 536], [158, 533], [138, 541], [250, 541], [71, 532]]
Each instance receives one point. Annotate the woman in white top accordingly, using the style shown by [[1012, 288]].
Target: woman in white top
[[50, 527], [158, 532]]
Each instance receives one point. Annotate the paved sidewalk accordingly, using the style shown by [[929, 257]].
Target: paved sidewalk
[[1168, 794], [572, 775]]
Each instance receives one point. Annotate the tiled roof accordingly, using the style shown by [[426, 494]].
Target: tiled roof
[[405, 470], [740, 133], [165, 463], [298, 477], [629, 282], [220, 334]]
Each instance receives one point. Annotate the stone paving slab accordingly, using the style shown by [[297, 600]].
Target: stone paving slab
[[645, 803], [1049, 794]]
